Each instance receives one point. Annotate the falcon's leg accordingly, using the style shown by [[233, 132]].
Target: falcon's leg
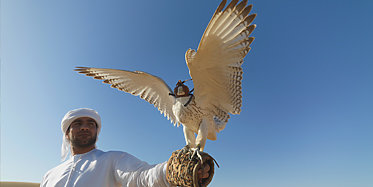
[[190, 140], [189, 136], [201, 138]]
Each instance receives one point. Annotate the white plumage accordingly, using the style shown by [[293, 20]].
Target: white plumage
[[216, 72]]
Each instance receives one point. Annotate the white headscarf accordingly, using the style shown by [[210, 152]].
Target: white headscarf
[[69, 118]]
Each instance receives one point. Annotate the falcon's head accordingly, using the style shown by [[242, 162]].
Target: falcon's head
[[181, 90]]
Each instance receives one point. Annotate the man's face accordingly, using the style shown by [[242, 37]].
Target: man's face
[[82, 132]]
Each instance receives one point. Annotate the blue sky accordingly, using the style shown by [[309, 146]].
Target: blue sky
[[307, 115]]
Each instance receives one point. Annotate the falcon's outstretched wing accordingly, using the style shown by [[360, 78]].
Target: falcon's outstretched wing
[[216, 66], [149, 87]]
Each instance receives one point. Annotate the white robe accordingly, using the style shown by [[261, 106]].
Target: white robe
[[113, 168]]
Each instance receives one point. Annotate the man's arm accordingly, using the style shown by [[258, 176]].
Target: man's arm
[[130, 171]]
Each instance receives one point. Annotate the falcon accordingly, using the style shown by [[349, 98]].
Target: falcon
[[216, 72]]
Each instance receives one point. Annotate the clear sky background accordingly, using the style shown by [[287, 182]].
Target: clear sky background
[[307, 114]]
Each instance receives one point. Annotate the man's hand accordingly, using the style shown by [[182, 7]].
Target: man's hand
[[203, 172]]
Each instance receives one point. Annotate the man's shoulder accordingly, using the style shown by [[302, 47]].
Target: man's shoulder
[[57, 170]]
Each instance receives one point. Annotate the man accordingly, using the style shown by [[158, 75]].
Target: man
[[91, 167]]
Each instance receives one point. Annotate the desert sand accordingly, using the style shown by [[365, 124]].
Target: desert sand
[[18, 184]]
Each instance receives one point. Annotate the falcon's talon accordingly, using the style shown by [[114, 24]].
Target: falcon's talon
[[197, 155]]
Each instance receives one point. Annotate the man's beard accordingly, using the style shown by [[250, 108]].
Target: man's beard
[[83, 142]]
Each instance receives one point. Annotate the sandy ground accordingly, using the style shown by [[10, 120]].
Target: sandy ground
[[19, 184]]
